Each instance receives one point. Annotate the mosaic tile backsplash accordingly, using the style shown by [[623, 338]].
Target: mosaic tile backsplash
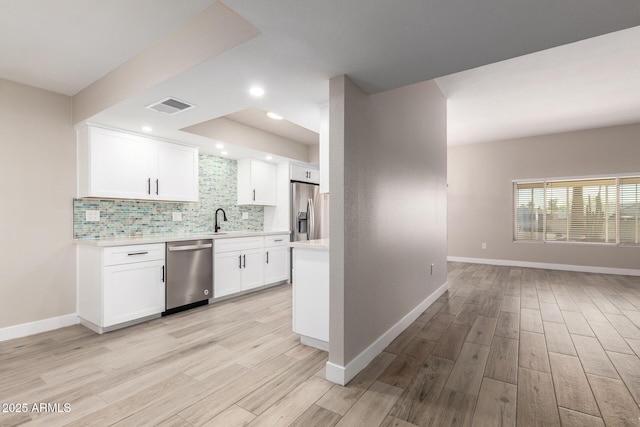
[[135, 218]]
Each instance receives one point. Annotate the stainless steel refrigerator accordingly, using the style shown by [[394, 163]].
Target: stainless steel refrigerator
[[309, 212]]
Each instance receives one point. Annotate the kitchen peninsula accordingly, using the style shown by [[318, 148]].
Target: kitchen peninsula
[[310, 279]]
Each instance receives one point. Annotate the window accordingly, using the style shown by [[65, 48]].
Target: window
[[597, 210], [629, 216]]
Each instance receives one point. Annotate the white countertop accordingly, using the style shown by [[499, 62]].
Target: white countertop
[[118, 241], [311, 244]]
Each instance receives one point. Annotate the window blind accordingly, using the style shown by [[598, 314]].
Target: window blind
[[529, 211], [629, 219], [595, 210]]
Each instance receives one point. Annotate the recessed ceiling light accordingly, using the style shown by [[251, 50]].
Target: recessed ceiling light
[[146, 128], [274, 116], [219, 146], [269, 158], [256, 91], [224, 153]]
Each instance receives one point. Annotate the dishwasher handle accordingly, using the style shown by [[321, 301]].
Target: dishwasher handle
[[189, 247]]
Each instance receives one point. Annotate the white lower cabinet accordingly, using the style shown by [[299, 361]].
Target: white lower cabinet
[[245, 263], [237, 265], [120, 285], [311, 296], [133, 291], [277, 265], [252, 271], [227, 268], [276, 268]]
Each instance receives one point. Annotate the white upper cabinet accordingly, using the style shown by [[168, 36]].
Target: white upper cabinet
[[305, 174], [113, 164], [119, 165], [177, 172], [256, 183]]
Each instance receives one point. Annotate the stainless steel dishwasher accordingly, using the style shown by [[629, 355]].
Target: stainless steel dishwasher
[[189, 274]]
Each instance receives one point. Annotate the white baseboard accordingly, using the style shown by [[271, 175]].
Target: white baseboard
[[31, 328], [314, 342], [343, 374], [547, 266]]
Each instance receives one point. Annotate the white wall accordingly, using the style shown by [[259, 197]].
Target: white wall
[[37, 184], [481, 194], [276, 218], [388, 209]]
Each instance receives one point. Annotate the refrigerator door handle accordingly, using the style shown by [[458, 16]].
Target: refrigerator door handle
[[310, 220]]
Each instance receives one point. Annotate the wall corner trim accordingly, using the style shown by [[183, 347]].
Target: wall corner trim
[[32, 328], [343, 374], [547, 266]]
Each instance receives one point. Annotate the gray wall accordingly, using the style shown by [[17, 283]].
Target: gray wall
[[481, 196], [37, 184], [389, 225]]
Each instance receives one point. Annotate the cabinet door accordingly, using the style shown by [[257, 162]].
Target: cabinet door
[[177, 177], [305, 174], [227, 268], [133, 291], [263, 181], [252, 269], [311, 293], [314, 176], [276, 265], [299, 173], [120, 165]]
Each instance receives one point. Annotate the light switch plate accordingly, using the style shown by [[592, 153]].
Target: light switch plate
[[177, 216], [92, 216], [245, 215]]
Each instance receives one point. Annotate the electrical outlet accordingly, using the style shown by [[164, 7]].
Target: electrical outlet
[[245, 215], [92, 216], [177, 216], [484, 245]]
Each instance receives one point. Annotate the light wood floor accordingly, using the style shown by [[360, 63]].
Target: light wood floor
[[505, 346]]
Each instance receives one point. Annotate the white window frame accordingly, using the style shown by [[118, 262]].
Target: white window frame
[[545, 185]]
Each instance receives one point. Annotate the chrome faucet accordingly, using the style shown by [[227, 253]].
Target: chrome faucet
[[216, 227]]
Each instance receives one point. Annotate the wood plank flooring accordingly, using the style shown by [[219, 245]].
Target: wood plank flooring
[[503, 346]]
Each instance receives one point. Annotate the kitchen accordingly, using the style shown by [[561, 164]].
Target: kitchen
[[375, 219], [197, 236]]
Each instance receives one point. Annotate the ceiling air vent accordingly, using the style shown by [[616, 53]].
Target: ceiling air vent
[[170, 106]]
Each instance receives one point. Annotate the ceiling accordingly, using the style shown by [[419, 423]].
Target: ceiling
[[65, 45], [588, 84], [258, 119]]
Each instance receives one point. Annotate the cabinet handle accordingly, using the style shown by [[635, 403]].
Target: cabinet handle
[[254, 195], [267, 257], [137, 253], [157, 187], [148, 185], [244, 261], [240, 261], [277, 240], [163, 274]]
